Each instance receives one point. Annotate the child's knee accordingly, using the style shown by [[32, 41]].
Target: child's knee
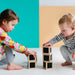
[[62, 48]]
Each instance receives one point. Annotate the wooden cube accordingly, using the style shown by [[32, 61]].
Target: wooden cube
[[47, 57], [31, 58], [47, 50], [48, 65], [32, 65]]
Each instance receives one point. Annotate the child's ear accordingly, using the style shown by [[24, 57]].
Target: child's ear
[[4, 22]]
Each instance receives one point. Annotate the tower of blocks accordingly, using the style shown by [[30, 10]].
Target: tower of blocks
[[47, 58], [32, 62]]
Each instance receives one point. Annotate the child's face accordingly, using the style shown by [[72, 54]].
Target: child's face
[[66, 29], [9, 26]]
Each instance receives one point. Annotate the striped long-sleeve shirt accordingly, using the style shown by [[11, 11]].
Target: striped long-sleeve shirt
[[70, 43], [5, 40]]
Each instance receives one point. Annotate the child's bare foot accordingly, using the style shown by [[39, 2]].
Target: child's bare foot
[[13, 66], [66, 63]]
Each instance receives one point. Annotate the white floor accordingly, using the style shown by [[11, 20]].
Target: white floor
[[22, 60]]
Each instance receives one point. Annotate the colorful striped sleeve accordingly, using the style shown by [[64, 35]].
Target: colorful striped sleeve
[[5, 39], [56, 39]]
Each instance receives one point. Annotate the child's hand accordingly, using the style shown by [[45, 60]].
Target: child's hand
[[73, 54], [47, 44], [30, 52]]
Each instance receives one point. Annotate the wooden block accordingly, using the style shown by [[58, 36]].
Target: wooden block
[[32, 65], [47, 50], [31, 58], [48, 65], [47, 57], [32, 62]]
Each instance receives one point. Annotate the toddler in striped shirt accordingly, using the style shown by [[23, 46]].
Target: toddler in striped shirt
[[67, 34]]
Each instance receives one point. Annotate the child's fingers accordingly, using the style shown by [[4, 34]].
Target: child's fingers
[[27, 55], [43, 44], [46, 44], [34, 55]]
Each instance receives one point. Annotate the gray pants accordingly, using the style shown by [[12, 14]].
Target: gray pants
[[7, 56], [67, 55]]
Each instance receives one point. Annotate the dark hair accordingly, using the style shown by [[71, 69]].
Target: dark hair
[[8, 15]]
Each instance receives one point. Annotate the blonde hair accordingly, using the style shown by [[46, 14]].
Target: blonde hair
[[69, 18]]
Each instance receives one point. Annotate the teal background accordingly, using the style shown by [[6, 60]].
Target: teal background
[[26, 32]]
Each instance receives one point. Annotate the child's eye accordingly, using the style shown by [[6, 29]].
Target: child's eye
[[63, 30]]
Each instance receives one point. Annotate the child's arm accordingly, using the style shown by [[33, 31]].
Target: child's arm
[[56, 39], [5, 39]]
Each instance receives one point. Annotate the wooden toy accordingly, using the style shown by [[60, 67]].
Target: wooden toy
[[32, 62], [48, 65], [47, 57], [31, 58], [47, 50], [32, 65]]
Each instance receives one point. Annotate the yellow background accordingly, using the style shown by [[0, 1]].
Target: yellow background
[[48, 18]]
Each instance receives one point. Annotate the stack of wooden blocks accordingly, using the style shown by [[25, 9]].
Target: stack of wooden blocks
[[47, 58], [32, 62]]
